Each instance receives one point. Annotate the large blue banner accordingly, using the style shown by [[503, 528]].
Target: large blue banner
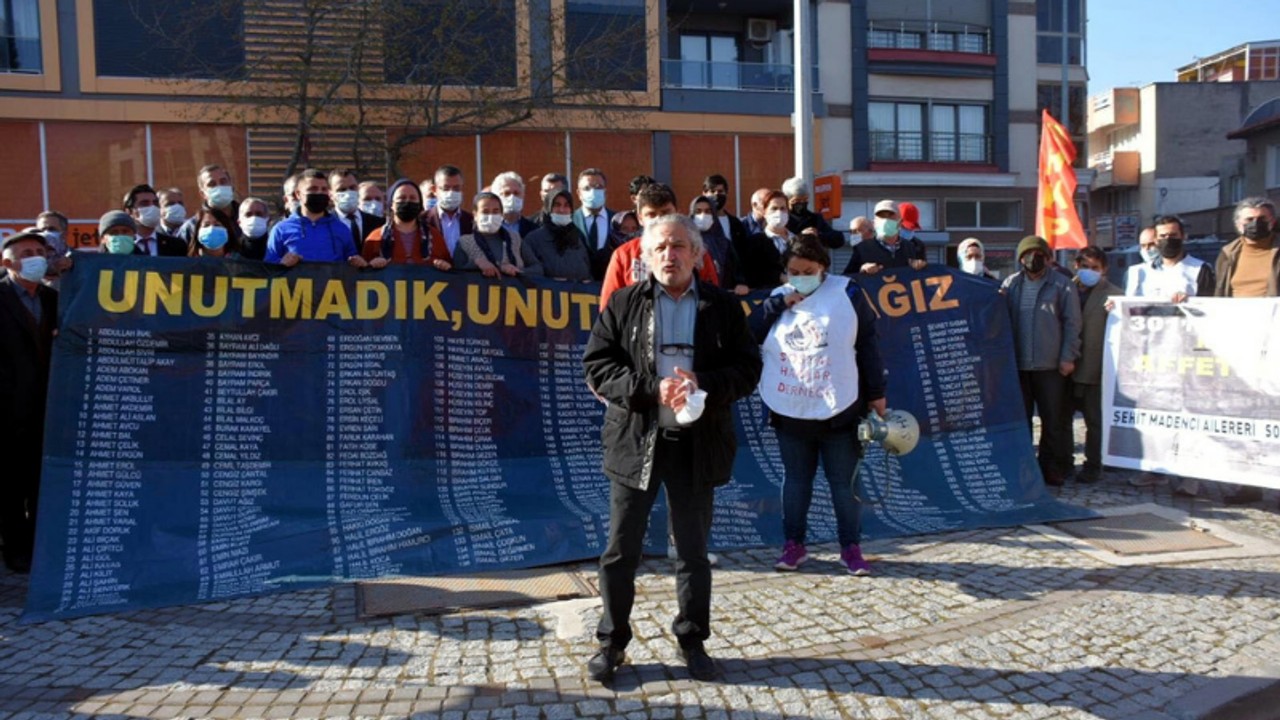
[[219, 428]]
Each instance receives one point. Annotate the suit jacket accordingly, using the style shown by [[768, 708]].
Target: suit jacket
[[761, 262], [599, 256], [368, 223], [25, 350], [1093, 331], [169, 246], [466, 222]]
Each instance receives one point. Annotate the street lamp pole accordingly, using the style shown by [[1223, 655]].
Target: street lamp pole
[[803, 74]]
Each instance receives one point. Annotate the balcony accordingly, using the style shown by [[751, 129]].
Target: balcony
[[936, 43], [936, 147], [705, 75], [1122, 168], [1114, 108]]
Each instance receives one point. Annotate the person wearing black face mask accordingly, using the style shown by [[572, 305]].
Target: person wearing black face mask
[[1249, 266], [717, 188], [314, 234], [406, 238], [1174, 275], [1045, 312], [801, 219]]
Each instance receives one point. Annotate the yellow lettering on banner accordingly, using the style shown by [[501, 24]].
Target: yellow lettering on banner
[[129, 293], [584, 302], [156, 293], [290, 300], [1201, 365], [893, 298], [219, 304], [1204, 366], [940, 301], [428, 298], [402, 300], [553, 321], [367, 289], [334, 301], [488, 316], [523, 303], [249, 288]]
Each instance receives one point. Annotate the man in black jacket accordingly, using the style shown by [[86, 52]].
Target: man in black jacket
[[804, 220], [28, 322], [143, 204], [889, 249], [670, 355]]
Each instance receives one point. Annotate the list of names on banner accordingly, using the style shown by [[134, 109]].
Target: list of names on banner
[[118, 407], [464, 389], [240, 379], [572, 437]]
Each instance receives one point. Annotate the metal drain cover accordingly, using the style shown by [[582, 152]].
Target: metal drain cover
[[1140, 534], [436, 595]]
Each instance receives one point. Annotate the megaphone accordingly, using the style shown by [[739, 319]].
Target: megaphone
[[898, 432]]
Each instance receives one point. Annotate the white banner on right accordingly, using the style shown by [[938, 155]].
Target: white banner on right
[[1193, 389]]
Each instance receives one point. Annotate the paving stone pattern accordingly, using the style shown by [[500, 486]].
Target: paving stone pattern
[[1001, 623]]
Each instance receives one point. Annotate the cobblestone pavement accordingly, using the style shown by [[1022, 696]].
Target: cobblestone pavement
[[1001, 623]]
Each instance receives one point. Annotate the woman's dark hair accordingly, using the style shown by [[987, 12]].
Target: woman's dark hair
[[807, 247], [233, 232]]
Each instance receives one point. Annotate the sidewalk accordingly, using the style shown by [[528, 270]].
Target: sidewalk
[[1006, 623]]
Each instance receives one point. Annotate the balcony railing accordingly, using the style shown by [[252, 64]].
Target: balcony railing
[[705, 75], [939, 147], [922, 35]]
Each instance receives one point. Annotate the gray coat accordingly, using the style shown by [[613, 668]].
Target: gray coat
[[1056, 335]]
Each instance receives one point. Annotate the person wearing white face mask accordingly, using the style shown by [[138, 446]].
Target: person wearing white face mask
[[761, 253], [218, 194], [1086, 379], [345, 195], [372, 199], [822, 374], [592, 219], [173, 210], [255, 216], [143, 204], [509, 187], [448, 217], [28, 323], [558, 244], [728, 266], [973, 258], [491, 249], [888, 250]]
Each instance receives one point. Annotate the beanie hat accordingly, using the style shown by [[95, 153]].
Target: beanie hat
[[114, 218], [1029, 243]]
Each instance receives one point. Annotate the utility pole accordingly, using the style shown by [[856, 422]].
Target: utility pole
[[1066, 78], [803, 73]]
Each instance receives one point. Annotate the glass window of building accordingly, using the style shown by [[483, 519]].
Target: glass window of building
[[20, 36]]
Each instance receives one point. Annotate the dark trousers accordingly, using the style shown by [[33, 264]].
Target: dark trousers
[[1088, 400], [690, 500], [18, 494], [1046, 392]]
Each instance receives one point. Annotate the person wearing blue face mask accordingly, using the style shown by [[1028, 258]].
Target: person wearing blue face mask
[[1086, 381], [215, 237], [117, 232], [28, 322], [890, 249], [822, 373]]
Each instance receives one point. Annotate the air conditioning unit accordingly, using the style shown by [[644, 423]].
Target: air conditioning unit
[[761, 30]]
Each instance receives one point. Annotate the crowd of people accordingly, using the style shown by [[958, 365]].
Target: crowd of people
[[810, 350]]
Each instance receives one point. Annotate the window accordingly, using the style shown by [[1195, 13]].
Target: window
[[1273, 167], [20, 36], [437, 42], [709, 61], [984, 215], [1050, 32], [168, 39], [955, 133], [606, 44]]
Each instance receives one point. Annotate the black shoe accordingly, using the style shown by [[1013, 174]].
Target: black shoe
[[1088, 477], [607, 659], [1245, 495], [699, 663]]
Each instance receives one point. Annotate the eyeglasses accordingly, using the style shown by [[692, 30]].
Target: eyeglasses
[[683, 349]]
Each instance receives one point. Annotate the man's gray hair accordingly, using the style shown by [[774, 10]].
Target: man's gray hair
[[650, 237], [504, 178], [1250, 203], [795, 187]]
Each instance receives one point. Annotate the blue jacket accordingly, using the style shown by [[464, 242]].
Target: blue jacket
[[325, 240]]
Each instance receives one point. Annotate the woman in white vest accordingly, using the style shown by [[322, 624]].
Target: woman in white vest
[[822, 371]]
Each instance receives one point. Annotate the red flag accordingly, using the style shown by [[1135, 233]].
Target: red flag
[[1056, 218]]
